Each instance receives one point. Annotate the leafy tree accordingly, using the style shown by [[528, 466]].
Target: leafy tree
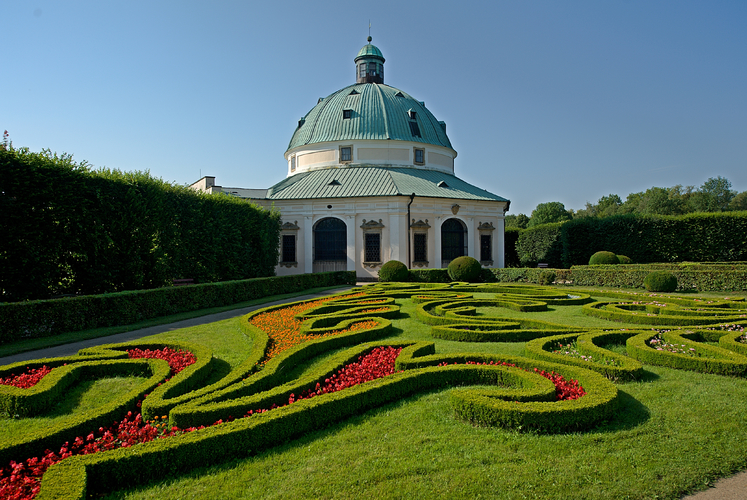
[[545, 213], [519, 221], [739, 202], [713, 196]]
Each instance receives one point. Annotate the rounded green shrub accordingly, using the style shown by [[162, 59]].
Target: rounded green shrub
[[464, 269], [660, 281], [603, 257], [394, 270], [624, 259]]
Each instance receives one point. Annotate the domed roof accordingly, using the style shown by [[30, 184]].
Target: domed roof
[[370, 51], [369, 111]]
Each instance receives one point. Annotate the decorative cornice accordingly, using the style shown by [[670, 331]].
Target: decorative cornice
[[372, 224], [486, 226], [420, 224], [290, 226]]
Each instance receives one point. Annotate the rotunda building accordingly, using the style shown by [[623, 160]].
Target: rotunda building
[[370, 178]]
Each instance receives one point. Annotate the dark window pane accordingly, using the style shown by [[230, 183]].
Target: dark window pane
[[346, 113], [486, 247], [452, 239], [330, 240], [414, 129], [419, 241], [419, 156], [289, 248], [346, 154], [373, 247]]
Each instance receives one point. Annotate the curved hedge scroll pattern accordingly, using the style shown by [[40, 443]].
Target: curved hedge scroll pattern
[[257, 405]]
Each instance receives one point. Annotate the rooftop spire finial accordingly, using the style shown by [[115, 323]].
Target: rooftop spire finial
[[369, 31]]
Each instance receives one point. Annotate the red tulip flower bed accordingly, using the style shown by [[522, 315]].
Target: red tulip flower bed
[[20, 480], [565, 390], [28, 379]]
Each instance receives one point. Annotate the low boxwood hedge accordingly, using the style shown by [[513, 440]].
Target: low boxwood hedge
[[43, 318], [705, 358], [159, 458], [611, 365]]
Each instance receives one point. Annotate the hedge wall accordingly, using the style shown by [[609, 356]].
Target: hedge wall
[[540, 244], [43, 318], [698, 237], [70, 230]]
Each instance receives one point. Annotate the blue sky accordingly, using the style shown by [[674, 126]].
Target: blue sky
[[544, 100]]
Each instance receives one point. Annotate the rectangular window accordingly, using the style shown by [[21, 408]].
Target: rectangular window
[[289, 248], [346, 154], [373, 247], [486, 247], [293, 163], [371, 69], [362, 70], [420, 253], [346, 114], [419, 156], [415, 129]]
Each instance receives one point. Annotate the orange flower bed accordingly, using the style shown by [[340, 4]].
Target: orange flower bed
[[283, 328]]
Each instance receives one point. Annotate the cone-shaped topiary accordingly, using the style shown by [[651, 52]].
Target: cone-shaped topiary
[[394, 270], [660, 281], [624, 259], [464, 269], [603, 258]]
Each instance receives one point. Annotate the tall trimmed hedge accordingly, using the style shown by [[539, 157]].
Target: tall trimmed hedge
[[541, 244], [698, 237], [67, 229]]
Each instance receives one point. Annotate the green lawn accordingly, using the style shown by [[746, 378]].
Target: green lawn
[[676, 432]]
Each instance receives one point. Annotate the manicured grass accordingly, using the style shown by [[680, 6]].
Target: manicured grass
[[674, 433]]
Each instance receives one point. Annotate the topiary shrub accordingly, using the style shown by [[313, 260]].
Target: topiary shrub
[[464, 269], [394, 270], [547, 277], [660, 281], [603, 257], [624, 259]]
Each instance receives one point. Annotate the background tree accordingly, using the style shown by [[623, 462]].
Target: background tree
[[713, 196], [739, 202], [520, 221], [545, 213]]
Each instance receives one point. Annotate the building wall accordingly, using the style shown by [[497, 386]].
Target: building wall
[[392, 211]]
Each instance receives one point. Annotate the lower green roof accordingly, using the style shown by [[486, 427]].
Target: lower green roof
[[361, 181]]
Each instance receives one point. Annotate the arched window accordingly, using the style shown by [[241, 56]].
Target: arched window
[[330, 240], [453, 240]]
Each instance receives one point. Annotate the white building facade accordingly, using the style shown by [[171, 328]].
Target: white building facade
[[370, 178]]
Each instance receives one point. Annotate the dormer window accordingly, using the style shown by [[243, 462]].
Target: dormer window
[[413, 114], [346, 154], [347, 114], [414, 129]]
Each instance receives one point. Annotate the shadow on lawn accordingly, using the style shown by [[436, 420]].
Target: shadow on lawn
[[630, 414]]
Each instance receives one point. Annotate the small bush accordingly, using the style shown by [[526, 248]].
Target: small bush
[[464, 269], [660, 281], [624, 259], [547, 277], [394, 270], [603, 257]]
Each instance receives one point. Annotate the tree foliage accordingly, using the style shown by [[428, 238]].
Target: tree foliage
[[547, 213]]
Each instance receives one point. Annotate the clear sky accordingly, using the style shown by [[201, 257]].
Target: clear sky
[[544, 100]]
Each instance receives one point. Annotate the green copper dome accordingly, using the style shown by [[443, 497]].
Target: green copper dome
[[370, 51], [369, 111]]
